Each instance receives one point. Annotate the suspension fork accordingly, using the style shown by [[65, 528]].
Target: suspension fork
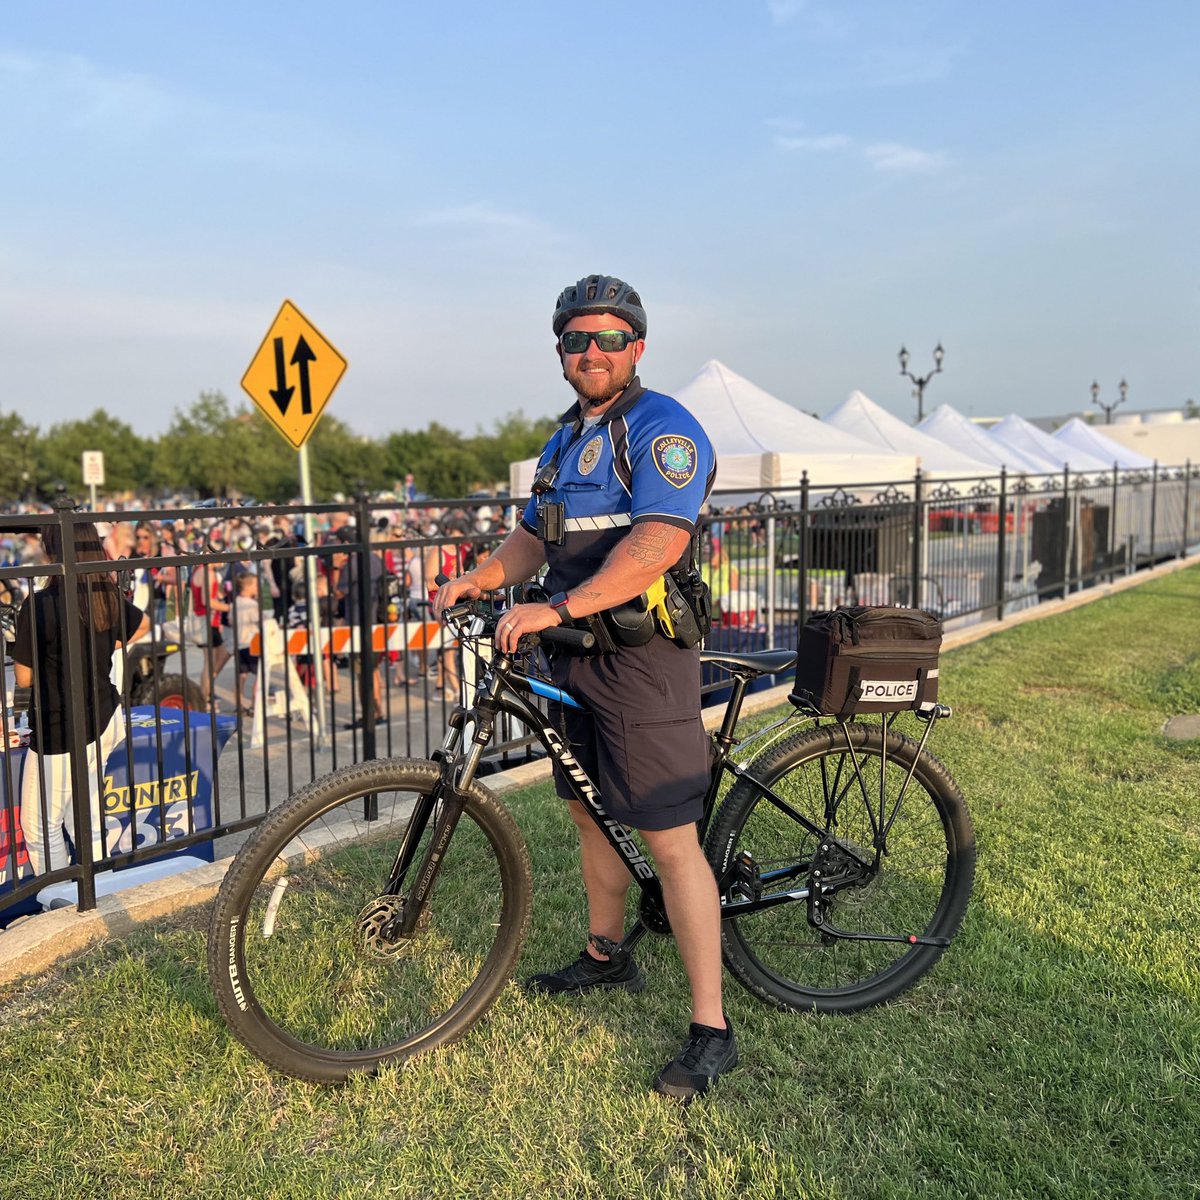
[[448, 800]]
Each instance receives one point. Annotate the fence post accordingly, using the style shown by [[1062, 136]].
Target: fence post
[[366, 611], [802, 556], [1187, 492], [76, 716], [1153, 508], [918, 521], [1002, 545], [1066, 532], [1112, 526]]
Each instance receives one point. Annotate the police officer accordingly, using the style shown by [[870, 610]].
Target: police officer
[[620, 488]]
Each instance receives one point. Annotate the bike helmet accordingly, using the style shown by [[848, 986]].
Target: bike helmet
[[600, 294]]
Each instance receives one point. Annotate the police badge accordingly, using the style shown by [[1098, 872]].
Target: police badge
[[589, 456]]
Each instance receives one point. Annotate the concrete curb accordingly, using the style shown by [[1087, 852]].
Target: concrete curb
[[38, 942]]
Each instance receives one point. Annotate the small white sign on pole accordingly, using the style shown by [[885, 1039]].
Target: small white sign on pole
[[93, 471], [93, 467]]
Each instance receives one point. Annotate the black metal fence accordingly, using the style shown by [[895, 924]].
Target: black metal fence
[[331, 656]]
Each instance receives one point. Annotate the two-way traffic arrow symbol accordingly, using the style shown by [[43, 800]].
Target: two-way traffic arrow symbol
[[281, 393]]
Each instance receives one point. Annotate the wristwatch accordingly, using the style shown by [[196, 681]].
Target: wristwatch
[[558, 602]]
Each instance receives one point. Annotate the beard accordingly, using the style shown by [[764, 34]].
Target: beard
[[600, 387]]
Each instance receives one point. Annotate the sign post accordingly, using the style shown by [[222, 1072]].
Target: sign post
[[291, 378], [93, 471]]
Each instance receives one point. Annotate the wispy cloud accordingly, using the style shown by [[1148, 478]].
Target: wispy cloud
[[829, 141], [891, 157], [900, 159], [85, 95]]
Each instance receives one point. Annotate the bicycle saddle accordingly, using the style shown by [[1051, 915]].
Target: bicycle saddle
[[757, 662]]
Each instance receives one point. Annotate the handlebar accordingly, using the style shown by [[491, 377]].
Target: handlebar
[[574, 639]]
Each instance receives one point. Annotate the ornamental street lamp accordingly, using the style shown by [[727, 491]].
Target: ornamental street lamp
[[919, 391], [1122, 387]]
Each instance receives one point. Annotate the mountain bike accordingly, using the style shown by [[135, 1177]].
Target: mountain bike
[[379, 912]]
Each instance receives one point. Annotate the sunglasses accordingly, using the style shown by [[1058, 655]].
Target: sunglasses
[[575, 341]]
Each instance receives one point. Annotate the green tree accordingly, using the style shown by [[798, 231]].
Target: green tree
[[513, 438], [443, 463], [215, 450], [128, 458], [343, 461], [20, 451]]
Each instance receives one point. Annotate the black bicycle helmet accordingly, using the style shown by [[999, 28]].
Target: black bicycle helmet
[[600, 294]]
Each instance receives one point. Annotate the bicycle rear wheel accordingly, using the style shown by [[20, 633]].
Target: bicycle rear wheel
[[917, 887], [295, 957]]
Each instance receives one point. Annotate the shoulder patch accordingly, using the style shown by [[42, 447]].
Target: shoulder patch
[[675, 457]]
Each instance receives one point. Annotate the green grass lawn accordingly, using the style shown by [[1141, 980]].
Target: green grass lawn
[[1054, 1051]]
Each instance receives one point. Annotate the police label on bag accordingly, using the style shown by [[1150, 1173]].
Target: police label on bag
[[904, 690]]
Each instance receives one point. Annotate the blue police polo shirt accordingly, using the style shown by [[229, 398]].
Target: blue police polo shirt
[[648, 459]]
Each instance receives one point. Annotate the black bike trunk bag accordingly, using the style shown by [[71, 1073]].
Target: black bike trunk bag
[[867, 659]]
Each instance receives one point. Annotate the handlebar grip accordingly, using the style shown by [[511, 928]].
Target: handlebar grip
[[577, 639], [441, 579]]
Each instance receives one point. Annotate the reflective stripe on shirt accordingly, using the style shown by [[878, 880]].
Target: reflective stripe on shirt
[[610, 521]]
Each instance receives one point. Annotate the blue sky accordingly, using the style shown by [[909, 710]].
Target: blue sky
[[795, 186]]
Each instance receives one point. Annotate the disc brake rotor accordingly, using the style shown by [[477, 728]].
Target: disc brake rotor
[[378, 922]]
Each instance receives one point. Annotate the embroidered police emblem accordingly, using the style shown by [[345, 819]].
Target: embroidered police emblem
[[675, 457], [589, 456]]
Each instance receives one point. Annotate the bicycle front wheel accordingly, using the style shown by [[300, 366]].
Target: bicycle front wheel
[[296, 958], [901, 864]]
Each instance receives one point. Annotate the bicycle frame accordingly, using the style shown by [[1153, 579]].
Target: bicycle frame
[[503, 689]]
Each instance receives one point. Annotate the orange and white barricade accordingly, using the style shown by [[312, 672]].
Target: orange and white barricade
[[277, 654]]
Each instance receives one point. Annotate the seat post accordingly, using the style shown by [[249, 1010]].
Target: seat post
[[733, 709]]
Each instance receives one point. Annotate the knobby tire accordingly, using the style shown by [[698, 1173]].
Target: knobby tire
[[921, 888], [313, 999]]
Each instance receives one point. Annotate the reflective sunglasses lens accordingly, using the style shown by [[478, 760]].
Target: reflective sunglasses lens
[[575, 341], [612, 339]]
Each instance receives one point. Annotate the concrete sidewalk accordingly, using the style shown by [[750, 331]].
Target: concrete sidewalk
[[37, 942]]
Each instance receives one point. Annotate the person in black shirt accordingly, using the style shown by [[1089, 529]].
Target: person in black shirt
[[107, 621]]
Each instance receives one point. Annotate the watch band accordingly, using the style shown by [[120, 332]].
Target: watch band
[[559, 602]]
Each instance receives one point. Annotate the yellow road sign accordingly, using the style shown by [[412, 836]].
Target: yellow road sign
[[293, 374]]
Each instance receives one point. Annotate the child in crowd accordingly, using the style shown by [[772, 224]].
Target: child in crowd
[[245, 620], [298, 618]]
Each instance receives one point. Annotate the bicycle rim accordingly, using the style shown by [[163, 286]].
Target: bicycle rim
[[297, 963], [921, 886]]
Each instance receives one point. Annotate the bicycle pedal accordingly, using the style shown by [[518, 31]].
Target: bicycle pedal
[[745, 876]]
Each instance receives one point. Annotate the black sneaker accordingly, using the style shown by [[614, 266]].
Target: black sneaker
[[705, 1056], [588, 974]]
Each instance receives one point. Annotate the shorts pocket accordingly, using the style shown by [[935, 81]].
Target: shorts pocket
[[667, 752]]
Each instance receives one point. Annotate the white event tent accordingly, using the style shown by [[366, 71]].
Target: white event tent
[[763, 443], [1079, 435], [859, 416], [1021, 434], [948, 425]]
